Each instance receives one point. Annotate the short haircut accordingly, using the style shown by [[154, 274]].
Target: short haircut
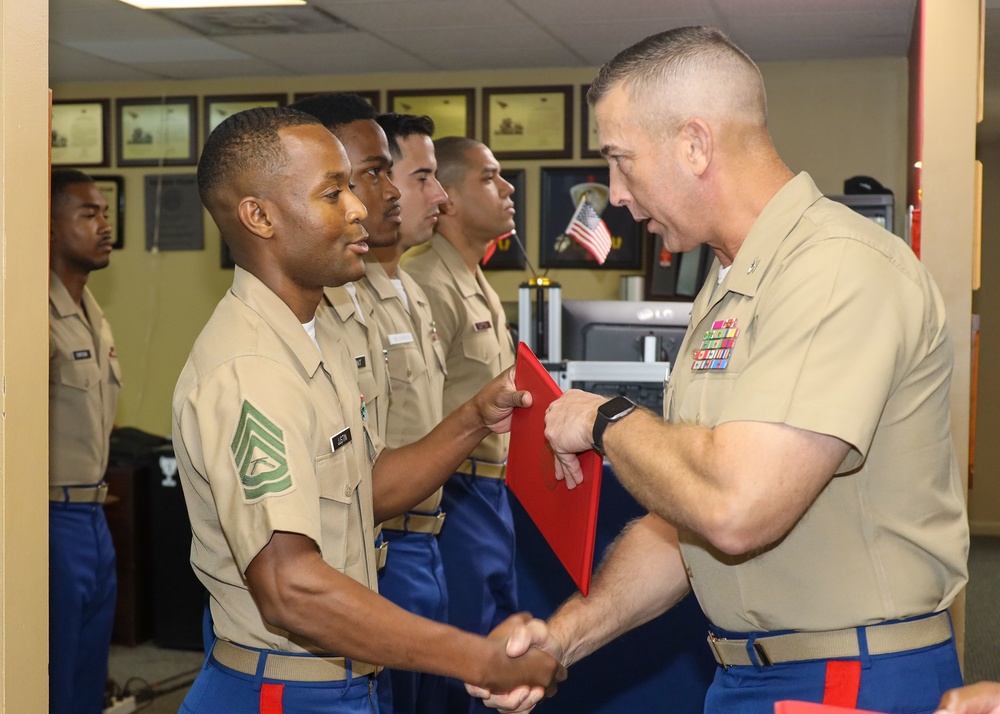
[[452, 153], [400, 126], [245, 142], [701, 55], [335, 109], [61, 179]]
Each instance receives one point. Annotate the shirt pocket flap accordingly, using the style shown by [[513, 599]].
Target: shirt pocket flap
[[337, 474], [82, 374]]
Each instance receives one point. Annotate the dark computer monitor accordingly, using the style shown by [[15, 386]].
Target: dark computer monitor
[[614, 330]]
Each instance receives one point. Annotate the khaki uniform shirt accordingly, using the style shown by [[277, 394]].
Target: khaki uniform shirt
[[827, 323], [416, 360], [84, 381], [364, 342], [472, 329], [269, 437]]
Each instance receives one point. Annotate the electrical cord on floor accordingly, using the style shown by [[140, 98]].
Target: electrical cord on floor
[[146, 691]]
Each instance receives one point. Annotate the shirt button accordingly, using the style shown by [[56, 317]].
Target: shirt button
[[347, 490]]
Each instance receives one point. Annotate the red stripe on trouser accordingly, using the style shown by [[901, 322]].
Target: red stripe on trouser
[[270, 698], [843, 680]]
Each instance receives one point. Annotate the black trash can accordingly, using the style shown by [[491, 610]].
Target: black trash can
[[178, 598]]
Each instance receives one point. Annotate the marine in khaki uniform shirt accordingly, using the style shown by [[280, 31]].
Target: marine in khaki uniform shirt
[[415, 354], [471, 328], [266, 407], [283, 479], [477, 542], [354, 315], [804, 483], [84, 381], [415, 578], [747, 337]]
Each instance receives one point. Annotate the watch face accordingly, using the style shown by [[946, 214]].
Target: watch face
[[615, 407]]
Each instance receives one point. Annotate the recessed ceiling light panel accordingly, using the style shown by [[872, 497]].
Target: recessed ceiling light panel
[[186, 4]]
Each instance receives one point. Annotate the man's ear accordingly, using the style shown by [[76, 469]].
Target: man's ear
[[256, 215], [698, 145]]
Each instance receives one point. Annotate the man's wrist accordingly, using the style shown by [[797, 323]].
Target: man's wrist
[[610, 412]]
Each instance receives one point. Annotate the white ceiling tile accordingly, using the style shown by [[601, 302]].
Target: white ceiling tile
[[147, 50], [69, 65], [427, 35], [377, 16], [208, 70], [70, 23], [337, 53], [431, 41], [747, 8], [501, 58], [674, 13]]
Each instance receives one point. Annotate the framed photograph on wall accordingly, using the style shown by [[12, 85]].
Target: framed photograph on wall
[[562, 191], [218, 109], [374, 97], [113, 190], [528, 122], [674, 276], [590, 145], [157, 131], [81, 133], [453, 110], [509, 254]]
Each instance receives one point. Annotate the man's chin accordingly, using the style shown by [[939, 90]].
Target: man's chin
[[349, 273], [382, 240]]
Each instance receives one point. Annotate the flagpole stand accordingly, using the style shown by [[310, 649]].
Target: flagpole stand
[[539, 317]]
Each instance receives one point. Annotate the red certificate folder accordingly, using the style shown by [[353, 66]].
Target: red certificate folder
[[790, 707], [566, 518]]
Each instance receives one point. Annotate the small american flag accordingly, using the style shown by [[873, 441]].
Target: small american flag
[[587, 229]]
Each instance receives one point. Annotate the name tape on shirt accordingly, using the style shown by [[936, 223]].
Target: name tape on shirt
[[400, 338], [339, 439], [485, 325], [81, 354]]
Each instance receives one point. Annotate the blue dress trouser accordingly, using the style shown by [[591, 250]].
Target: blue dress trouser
[[83, 589], [221, 689], [477, 546], [910, 682], [413, 579]]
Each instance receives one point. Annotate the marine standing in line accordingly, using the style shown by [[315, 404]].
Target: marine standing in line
[[84, 380], [477, 542]]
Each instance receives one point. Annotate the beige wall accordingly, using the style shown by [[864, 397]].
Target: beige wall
[[834, 119], [24, 188]]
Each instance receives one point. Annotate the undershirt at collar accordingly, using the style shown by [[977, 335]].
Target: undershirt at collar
[[398, 284], [310, 328]]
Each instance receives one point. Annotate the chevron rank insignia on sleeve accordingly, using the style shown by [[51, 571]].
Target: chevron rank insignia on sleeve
[[259, 451]]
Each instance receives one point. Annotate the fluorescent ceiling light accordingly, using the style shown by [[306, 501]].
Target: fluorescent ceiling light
[[190, 4]]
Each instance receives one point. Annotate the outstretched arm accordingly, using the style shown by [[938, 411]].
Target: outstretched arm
[[642, 576], [741, 485], [298, 592], [406, 476]]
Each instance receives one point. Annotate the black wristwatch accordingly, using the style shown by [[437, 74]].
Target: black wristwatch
[[611, 411]]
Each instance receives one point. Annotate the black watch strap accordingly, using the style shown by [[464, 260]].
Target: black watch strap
[[611, 411]]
